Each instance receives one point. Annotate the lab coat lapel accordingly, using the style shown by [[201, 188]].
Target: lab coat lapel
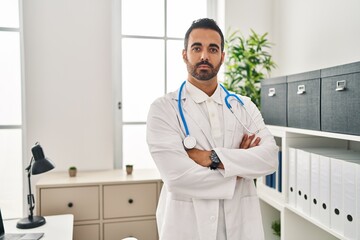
[[229, 123], [193, 112]]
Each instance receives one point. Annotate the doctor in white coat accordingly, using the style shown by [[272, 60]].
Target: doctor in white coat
[[208, 191]]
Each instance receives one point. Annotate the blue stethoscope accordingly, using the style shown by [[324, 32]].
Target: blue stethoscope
[[189, 141]]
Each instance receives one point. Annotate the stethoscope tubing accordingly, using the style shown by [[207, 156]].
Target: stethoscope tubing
[[228, 94]]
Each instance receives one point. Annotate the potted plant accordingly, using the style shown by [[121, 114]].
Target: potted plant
[[129, 168], [72, 171], [276, 227], [247, 62]]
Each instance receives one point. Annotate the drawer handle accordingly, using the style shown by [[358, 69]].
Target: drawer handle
[[130, 201], [340, 85], [301, 89], [271, 92], [70, 204]]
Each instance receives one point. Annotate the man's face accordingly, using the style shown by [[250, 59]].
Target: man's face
[[203, 55]]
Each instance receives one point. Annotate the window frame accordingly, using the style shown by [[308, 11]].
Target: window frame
[[212, 6]]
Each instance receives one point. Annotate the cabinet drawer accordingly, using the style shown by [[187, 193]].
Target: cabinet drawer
[[82, 202], [88, 232], [145, 229], [129, 200]]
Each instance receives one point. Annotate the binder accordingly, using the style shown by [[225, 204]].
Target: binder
[[324, 190], [292, 177], [357, 202], [303, 181], [279, 172], [315, 186], [350, 199], [336, 196], [343, 192]]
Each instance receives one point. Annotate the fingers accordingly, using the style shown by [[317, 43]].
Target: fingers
[[249, 142], [256, 142]]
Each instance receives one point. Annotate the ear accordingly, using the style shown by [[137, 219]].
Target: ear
[[222, 57], [184, 55]]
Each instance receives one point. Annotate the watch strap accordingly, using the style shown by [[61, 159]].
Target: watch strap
[[215, 160]]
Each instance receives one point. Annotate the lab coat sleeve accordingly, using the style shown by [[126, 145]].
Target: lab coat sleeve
[[252, 162], [180, 173]]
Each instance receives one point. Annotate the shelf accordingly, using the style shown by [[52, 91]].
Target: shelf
[[315, 222], [270, 196], [295, 224], [279, 131]]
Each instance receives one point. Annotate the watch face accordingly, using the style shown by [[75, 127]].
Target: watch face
[[215, 161]]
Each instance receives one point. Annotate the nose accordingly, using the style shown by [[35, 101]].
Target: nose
[[204, 56]]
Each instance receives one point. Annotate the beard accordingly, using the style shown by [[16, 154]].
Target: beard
[[203, 74]]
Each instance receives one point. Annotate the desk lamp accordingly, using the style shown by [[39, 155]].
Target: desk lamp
[[41, 165]]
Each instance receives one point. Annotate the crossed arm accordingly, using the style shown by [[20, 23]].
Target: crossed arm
[[202, 157]]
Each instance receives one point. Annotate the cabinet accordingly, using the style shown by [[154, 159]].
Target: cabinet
[[106, 205], [275, 205]]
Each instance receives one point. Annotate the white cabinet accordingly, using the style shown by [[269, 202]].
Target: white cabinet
[[296, 223], [106, 205]]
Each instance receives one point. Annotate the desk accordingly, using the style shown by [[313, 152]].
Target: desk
[[58, 227]]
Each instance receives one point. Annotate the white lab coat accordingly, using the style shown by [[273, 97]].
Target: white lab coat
[[189, 201]]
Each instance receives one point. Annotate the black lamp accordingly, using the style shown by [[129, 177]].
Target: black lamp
[[41, 165]]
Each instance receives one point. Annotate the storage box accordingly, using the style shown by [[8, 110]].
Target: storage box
[[273, 101], [340, 99], [304, 100]]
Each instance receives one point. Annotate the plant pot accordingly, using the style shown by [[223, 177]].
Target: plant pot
[[129, 169], [72, 172]]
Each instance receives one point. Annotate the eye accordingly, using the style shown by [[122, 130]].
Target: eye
[[213, 50], [196, 49]]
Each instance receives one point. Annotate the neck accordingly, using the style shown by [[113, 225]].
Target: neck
[[207, 87]]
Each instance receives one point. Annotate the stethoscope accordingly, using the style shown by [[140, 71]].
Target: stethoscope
[[190, 141]]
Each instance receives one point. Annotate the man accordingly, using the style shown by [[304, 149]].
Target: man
[[208, 192]]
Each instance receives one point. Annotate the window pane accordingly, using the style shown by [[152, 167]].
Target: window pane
[[9, 13], [143, 17], [11, 173], [177, 21], [143, 76], [176, 71], [136, 151], [10, 81]]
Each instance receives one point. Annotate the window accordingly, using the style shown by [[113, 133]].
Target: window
[[11, 168], [151, 44]]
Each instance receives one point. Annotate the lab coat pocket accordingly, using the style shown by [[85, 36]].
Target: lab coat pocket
[[250, 221], [179, 221], [245, 223]]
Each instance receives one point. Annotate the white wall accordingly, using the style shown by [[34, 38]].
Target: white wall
[[68, 97], [308, 35], [244, 15]]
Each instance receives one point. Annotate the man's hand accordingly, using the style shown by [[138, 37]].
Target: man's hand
[[249, 142], [201, 157]]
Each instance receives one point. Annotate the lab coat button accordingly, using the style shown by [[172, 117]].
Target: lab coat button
[[212, 218]]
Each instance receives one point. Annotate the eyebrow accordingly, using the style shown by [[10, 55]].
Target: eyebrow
[[199, 44]]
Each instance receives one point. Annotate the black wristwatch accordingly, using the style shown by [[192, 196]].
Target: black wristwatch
[[215, 160]]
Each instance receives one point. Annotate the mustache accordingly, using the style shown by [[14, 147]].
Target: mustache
[[204, 63]]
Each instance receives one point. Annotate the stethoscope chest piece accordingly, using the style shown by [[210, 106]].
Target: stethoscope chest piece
[[189, 142]]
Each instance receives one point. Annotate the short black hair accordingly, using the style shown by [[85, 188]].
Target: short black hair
[[206, 23]]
